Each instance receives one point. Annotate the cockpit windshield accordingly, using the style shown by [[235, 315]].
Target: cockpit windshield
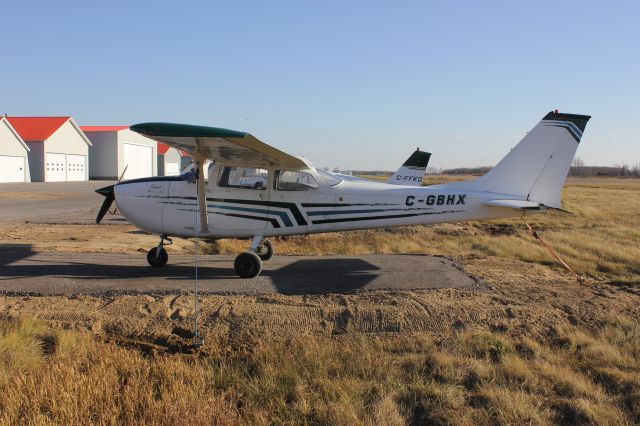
[[329, 179]]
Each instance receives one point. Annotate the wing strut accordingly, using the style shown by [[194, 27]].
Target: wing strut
[[204, 229], [202, 197]]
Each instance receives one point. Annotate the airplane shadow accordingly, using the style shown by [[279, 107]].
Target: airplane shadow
[[307, 276], [10, 253]]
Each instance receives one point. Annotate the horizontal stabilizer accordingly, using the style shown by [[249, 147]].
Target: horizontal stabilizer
[[516, 204], [522, 205]]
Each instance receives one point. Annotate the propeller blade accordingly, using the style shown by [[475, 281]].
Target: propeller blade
[[109, 197]]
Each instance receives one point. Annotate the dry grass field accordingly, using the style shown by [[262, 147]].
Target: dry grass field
[[531, 347], [576, 376]]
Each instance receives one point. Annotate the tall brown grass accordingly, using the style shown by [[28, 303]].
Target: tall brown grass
[[573, 376]]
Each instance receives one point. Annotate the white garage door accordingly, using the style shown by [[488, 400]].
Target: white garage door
[[138, 159], [55, 167], [171, 169], [11, 169], [76, 167]]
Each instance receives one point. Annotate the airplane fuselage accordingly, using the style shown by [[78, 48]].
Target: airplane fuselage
[[168, 206]]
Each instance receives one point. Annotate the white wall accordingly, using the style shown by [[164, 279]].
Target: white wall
[[127, 136], [10, 145], [69, 140], [103, 155], [171, 156]]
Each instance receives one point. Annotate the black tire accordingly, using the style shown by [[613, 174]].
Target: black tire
[[265, 250], [159, 260], [248, 265]]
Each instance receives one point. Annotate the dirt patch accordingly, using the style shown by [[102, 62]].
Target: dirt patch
[[522, 299]]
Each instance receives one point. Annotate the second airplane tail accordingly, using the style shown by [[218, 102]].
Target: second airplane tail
[[412, 171]]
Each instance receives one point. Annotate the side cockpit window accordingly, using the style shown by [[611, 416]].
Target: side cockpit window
[[190, 173], [243, 178], [287, 180]]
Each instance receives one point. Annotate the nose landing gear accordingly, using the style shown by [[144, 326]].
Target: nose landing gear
[[265, 250], [157, 256]]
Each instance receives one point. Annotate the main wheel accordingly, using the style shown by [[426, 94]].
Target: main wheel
[[156, 259], [265, 250], [248, 265]]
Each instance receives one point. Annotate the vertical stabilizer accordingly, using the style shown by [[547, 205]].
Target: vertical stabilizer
[[537, 167], [412, 171]]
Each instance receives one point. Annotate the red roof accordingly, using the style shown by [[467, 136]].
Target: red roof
[[162, 149], [36, 128], [102, 128]]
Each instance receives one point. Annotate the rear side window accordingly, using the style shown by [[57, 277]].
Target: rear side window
[[287, 180], [243, 178]]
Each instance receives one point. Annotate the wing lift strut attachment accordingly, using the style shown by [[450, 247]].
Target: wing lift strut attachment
[[552, 252]]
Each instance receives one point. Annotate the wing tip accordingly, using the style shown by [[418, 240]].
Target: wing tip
[[185, 130]]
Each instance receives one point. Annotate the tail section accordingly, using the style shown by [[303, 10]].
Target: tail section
[[537, 167], [412, 171]]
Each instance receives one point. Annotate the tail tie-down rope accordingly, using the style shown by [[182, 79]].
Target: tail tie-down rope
[[553, 253]]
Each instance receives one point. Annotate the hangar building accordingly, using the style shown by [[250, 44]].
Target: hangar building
[[116, 148], [14, 162], [58, 149], [171, 161]]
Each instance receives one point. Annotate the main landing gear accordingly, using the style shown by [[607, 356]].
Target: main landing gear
[[249, 263], [157, 256]]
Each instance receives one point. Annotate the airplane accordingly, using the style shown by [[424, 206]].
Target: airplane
[[295, 198], [410, 173]]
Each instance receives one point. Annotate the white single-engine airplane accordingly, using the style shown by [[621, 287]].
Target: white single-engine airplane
[[257, 191]]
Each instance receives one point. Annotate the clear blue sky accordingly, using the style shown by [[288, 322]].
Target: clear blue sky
[[354, 84]]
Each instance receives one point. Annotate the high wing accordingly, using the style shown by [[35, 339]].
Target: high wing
[[230, 146]]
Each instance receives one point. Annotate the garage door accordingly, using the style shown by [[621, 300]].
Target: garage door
[[11, 169], [171, 169], [138, 159], [76, 165], [55, 167]]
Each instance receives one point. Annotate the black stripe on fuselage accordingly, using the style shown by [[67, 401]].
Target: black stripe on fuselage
[[291, 206], [346, 205], [152, 179], [363, 218], [273, 222]]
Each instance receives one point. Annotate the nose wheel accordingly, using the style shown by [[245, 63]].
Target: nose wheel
[[265, 250], [158, 256]]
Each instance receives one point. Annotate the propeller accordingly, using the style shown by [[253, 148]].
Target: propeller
[[109, 197]]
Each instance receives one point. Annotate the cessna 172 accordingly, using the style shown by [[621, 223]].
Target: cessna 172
[[293, 197]]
